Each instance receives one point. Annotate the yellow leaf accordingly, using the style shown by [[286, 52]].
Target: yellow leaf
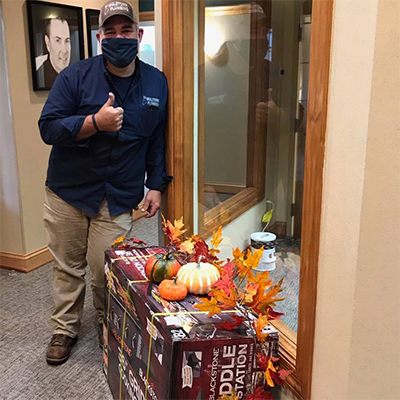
[[210, 306], [267, 216], [217, 237], [118, 241]]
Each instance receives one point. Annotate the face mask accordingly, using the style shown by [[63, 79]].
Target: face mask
[[120, 52]]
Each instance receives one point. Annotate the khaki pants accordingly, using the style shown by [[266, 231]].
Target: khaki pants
[[76, 239]]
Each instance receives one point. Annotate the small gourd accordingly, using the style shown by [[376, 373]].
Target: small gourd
[[172, 290], [161, 266], [198, 277]]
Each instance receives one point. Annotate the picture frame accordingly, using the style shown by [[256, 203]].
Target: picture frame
[[56, 40], [92, 27]]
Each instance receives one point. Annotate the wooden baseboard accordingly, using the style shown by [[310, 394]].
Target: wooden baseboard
[[27, 262], [278, 228]]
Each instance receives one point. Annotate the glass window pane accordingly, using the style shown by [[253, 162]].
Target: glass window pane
[[252, 99]]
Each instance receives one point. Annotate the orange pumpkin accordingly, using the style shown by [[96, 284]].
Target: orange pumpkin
[[172, 290], [161, 266]]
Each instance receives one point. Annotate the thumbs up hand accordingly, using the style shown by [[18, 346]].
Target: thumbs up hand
[[109, 118]]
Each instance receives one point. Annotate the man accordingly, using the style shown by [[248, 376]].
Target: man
[[58, 44], [105, 118]]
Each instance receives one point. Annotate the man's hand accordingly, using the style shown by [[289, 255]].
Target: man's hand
[[109, 118], [152, 203]]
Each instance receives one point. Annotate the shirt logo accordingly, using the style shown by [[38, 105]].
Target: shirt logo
[[150, 102]]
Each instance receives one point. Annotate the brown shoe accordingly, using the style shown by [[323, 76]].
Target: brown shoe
[[59, 349]]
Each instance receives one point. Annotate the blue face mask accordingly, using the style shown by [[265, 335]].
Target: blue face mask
[[120, 52]]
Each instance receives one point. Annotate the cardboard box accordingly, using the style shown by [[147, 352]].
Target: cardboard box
[[180, 352]]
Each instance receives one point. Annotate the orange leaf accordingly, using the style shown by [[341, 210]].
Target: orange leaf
[[231, 396], [253, 260], [187, 246], [269, 298], [237, 254], [173, 231], [261, 279], [268, 377], [210, 306], [227, 302], [217, 237], [250, 291], [118, 241], [262, 322]]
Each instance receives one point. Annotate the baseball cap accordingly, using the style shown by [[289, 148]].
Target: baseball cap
[[112, 8]]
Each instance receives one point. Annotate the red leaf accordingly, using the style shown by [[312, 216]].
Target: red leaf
[[260, 394], [225, 283], [231, 325], [283, 373], [262, 362], [275, 376], [137, 241], [201, 249], [280, 376], [228, 269], [273, 314]]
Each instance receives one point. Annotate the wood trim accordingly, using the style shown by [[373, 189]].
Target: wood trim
[[178, 66], [313, 181], [146, 16], [228, 10], [201, 112], [230, 209], [223, 187], [288, 355], [27, 262]]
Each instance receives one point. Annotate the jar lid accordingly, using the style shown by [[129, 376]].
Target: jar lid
[[263, 237]]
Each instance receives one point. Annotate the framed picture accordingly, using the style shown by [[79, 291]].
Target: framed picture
[[56, 40], [92, 27]]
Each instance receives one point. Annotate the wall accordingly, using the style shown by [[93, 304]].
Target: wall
[[10, 211], [356, 353], [32, 153]]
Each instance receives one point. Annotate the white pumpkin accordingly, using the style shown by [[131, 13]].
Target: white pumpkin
[[198, 277]]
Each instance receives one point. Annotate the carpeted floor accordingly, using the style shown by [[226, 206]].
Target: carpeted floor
[[25, 307]]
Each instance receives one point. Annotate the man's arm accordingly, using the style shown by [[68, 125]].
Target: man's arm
[[59, 124]]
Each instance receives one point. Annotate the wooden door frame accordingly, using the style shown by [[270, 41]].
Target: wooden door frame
[[178, 62]]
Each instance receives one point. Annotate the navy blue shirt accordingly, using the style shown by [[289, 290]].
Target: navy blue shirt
[[109, 165]]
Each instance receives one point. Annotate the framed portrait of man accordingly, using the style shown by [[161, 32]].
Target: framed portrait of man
[[92, 27], [56, 40]]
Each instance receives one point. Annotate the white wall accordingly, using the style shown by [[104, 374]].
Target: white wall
[[11, 238], [357, 352]]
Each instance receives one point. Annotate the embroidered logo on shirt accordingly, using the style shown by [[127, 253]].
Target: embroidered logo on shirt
[[151, 102]]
